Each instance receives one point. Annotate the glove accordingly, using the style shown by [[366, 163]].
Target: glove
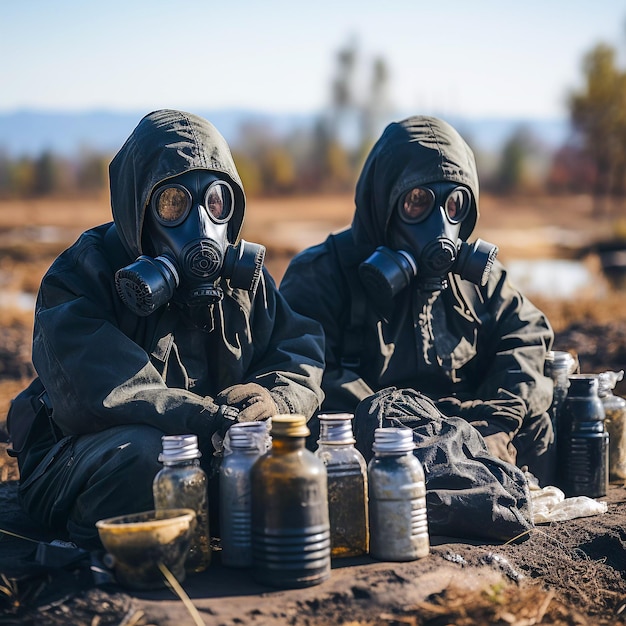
[[253, 402], [499, 444]]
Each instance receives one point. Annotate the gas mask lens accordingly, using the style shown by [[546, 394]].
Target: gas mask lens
[[417, 204], [171, 203]]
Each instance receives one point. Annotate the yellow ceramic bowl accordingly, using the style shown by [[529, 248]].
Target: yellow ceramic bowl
[[140, 541]]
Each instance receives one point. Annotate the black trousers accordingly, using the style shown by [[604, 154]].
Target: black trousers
[[82, 479]]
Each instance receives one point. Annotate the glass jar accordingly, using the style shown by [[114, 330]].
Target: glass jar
[[244, 443], [615, 423], [347, 485], [182, 484], [397, 505], [583, 450], [290, 524]]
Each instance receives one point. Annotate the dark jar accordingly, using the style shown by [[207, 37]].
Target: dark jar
[[290, 524], [583, 446]]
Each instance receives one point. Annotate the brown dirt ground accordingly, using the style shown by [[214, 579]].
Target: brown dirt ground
[[564, 573]]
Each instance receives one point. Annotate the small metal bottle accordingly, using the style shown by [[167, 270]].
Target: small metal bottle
[[583, 450], [559, 366], [347, 486], [244, 443], [615, 423], [397, 503], [182, 483], [290, 526]]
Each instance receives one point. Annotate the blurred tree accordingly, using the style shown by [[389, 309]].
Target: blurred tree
[[92, 172], [22, 177], [5, 173], [329, 167], [250, 173], [358, 105], [571, 171], [515, 171], [598, 113], [278, 171], [376, 107], [343, 87], [47, 172]]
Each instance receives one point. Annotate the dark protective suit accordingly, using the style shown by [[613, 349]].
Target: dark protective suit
[[477, 351], [116, 382]]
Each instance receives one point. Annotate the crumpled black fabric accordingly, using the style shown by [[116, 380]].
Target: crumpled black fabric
[[469, 492]]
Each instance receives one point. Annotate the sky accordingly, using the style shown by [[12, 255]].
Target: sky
[[470, 58]]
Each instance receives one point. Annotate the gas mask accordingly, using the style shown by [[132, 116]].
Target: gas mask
[[424, 234], [185, 237]]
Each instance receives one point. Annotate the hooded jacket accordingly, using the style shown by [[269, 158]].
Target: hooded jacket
[[102, 365], [476, 351]]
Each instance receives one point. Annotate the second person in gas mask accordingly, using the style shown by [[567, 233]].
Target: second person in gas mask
[[407, 302]]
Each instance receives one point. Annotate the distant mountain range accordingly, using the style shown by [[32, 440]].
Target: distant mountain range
[[29, 133]]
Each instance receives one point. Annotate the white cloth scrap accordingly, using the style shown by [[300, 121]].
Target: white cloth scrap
[[551, 505]]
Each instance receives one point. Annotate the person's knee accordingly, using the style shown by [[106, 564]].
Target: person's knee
[[132, 449]]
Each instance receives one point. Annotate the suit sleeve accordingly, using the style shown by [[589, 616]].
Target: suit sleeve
[[513, 387], [313, 286], [95, 375]]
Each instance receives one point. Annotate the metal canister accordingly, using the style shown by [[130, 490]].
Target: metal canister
[[244, 443], [559, 366], [397, 503], [583, 448]]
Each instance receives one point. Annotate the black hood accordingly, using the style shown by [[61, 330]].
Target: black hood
[[164, 144], [415, 151]]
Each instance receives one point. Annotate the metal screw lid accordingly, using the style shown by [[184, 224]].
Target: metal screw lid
[[336, 428], [178, 448], [248, 435], [393, 441], [290, 426]]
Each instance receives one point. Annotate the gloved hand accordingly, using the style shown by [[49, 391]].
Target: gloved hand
[[499, 444], [505, 413], [253, 402]]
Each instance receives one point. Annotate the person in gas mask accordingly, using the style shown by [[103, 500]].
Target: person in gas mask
[[407, 302], [162, 322]]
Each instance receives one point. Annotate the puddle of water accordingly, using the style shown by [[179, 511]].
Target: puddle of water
[[555, 278], [17, 300]]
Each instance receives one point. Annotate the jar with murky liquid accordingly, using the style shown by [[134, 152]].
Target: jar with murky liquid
[[182, 484], [290, 524], [615, 423], [244, 443], [347, 486], [397, 498], [583, 450]]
